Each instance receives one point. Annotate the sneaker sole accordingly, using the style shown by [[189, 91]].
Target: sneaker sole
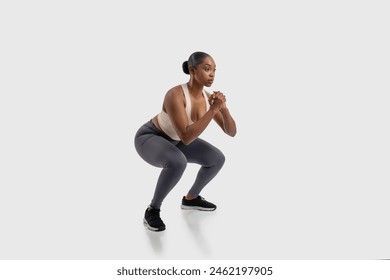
[[152, 228], [185, 207]]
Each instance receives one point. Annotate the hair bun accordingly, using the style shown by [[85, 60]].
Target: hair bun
[[186, 69]]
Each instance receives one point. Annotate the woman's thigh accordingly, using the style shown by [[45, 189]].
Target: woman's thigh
[[202, 152], [158, 151]]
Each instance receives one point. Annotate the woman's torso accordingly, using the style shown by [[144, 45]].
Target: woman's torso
[[195, 109]]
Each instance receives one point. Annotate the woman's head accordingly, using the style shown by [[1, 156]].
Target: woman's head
[[200, 66], [194, 60]]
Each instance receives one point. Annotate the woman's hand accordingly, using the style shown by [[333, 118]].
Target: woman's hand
[[222, 116], [217, 101]]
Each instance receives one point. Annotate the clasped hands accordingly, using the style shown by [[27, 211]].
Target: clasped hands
[[217, 100]]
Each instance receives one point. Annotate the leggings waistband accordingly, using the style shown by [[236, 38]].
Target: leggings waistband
[[150, 127]]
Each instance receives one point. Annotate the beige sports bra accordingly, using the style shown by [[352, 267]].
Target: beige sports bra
[[165, 122]]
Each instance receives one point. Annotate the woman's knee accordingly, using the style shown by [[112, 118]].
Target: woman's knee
[[216, 158], [177, 162], [220, 159]]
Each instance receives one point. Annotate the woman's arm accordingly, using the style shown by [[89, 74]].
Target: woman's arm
[[174, 105], [226, 122], [224, 119]]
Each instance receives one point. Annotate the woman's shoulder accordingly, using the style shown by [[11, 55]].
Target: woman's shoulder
[[176, 91], [177, 88]]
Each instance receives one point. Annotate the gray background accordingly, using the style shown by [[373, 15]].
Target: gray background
[[306, 177]]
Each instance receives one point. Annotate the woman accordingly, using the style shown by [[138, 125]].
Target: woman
[[171, 138]]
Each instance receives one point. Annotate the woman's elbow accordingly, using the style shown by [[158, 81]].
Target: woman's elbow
[[185, 139], [186, 142], [231, 133]]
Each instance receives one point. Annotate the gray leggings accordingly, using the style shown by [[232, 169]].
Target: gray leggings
[[159, 150]]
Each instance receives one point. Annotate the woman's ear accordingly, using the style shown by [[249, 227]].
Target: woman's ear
[[192, 70]]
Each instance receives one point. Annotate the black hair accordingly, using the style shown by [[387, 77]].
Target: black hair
[[195, 59]]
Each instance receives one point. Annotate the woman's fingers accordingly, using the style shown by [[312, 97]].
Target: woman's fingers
[[219, 95]]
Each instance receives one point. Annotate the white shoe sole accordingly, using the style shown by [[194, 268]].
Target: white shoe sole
[[151, 228], [185, 207]]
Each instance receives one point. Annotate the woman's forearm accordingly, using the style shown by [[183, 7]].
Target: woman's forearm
[[194, 130], [228, 122]]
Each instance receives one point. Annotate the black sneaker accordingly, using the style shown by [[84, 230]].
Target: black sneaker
[[152, 219], [198, 203]]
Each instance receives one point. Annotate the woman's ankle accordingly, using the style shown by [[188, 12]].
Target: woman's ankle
[[190, 197]]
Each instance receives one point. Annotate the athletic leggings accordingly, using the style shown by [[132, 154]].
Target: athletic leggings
[[159, 150]]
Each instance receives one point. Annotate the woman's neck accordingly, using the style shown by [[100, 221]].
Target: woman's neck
[[195, 88]]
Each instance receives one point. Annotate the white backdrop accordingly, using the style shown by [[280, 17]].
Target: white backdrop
[[306, 177]]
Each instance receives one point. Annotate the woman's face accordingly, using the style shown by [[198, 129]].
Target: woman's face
[[204, 72]]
